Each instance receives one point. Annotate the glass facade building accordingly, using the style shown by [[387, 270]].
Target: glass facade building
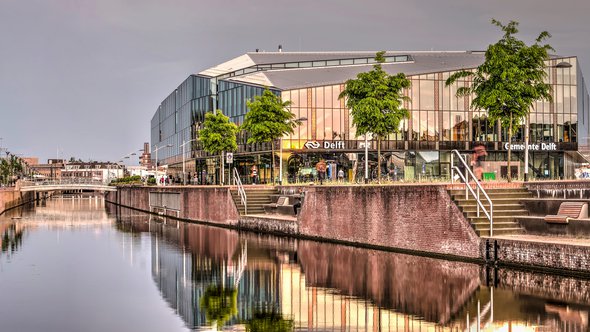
[[439, 121]]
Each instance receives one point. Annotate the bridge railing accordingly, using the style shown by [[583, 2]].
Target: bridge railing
[[63, 181]]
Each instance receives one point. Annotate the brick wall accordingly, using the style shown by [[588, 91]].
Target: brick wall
[[10, 197], [210, 204], [412, 217], [566, 257]]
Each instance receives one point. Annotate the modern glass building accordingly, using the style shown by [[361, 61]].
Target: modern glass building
[[439, 120]]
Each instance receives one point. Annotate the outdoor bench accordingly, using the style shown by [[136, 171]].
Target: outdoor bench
[[568, 210]]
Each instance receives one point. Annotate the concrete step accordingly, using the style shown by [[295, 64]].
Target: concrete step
[[501, 231], [494, 196], [495, 201], [497, 225], [497, 207], [499, 213], [483, 218], [491, 191]]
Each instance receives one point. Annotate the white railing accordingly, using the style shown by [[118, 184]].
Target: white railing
[[241, 190], [469, 176], [62, 181]]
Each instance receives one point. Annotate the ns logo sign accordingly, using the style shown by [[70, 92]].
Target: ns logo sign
[[312, 145]]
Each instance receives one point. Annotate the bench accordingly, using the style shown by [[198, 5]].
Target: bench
[[273, 207], [568, 210]]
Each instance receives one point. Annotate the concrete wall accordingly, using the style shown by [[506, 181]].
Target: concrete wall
[[412, 217], [570, 189], [208, 204]]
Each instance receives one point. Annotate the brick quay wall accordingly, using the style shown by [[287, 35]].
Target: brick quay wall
[[415, 218], [12, 197], [410, 217]]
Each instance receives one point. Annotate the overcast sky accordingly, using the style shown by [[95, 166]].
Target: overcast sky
[[83, 78]]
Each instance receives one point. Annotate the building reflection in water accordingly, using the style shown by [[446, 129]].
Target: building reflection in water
[[327, 287]]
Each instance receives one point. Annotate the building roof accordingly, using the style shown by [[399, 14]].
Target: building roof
[[273, 69]]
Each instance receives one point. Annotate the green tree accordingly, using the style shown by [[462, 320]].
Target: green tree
[[218, 134], [268, 120], [510, 80], [375, 99]]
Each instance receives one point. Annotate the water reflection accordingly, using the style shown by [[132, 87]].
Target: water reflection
[[315, 286]]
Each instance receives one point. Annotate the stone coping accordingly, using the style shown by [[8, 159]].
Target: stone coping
[[543, 239]]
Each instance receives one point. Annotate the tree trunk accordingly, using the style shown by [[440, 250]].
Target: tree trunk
[[509, 148], [272, 169], [378, 159]]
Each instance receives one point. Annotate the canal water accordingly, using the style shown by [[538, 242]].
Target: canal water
[[78, 264]]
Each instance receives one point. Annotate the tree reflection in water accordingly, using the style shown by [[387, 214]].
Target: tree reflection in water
[[220, 304], [269, 321]]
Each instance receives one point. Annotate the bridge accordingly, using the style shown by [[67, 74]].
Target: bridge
[[66, 184]]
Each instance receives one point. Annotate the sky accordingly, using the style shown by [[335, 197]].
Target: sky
[[82, 78]]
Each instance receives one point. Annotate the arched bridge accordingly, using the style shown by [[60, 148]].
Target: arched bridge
[[66, 184]]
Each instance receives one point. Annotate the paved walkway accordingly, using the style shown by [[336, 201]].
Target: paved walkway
[[545, 239]]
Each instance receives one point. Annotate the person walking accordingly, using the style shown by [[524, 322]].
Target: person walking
[[479, 156], [341, 175], [254, 174], [320, 167]]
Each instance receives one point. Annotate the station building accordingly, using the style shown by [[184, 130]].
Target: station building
[[439, 121]]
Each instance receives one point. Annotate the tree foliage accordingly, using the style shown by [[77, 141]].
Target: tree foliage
[[510, 80], [218, 133], [375, 100], [10, 168], [269, 119]]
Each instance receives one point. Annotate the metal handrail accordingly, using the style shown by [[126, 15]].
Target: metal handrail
[[469, 175], [73, 181], [241, 190]]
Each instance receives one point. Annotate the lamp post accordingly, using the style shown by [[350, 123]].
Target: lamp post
[[183, 159], [301, 119], [156, 149]]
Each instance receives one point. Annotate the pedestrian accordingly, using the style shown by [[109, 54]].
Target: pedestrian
[[341, 175], [479, 156], [254, 174], [321, 169]]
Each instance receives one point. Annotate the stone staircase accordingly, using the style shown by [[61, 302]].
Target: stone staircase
[[507, 207], [256, 198]]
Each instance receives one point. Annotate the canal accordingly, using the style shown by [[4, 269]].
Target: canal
[[80, 264]]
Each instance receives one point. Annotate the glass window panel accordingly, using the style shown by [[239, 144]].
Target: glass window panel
[[292, 65], [567, 99], [304, 64], [415, 90], [319, 97], [319, 63], [328, 99], [346, 62], [360, 61], [446, 126], [452, 96], [333, 62], [574, 99], [458, 126], [559, 98], [320, 127], [303, 98], [427, 95]]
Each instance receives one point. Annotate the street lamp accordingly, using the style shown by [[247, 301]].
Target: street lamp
[[301, 119], [156, 148], [183, 159]]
